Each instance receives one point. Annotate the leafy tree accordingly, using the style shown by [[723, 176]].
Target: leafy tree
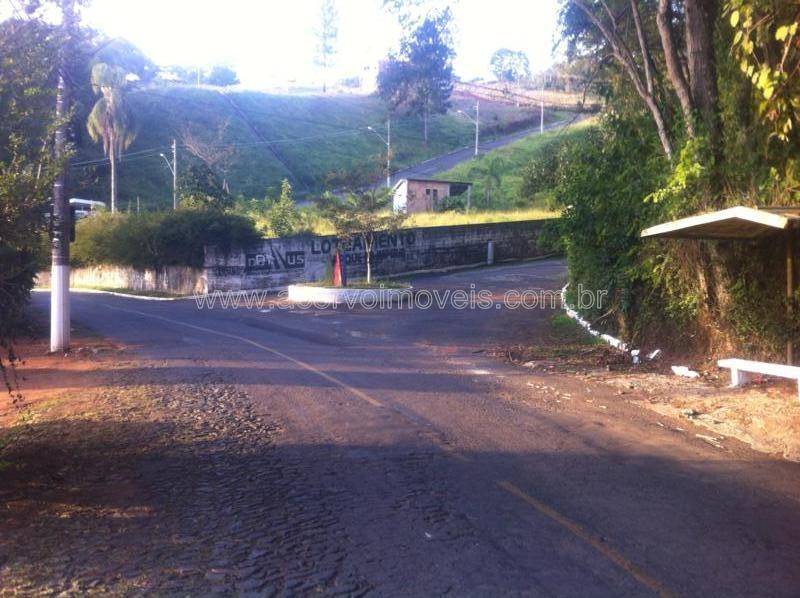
[[396, 82], [766, 43], [509, 65], [645, 41], [110, 120], [361, 214], [27, 170], [200, 187], [208, 144], [420, 78], [282, 215], [326, 33], [601, 179], [122, 53], [492, 178], [222, 76]]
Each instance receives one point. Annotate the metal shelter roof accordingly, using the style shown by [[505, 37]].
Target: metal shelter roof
[[739, 223]]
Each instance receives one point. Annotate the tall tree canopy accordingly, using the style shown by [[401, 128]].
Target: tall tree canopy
[[661, 50], [222, 76], [420, 78], [510, 65], [27, 83], [110, 120], [701, 108], [122, 53], [327, 32]]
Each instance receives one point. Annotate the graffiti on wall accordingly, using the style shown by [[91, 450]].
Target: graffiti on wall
[[319, 250], [271, 263]]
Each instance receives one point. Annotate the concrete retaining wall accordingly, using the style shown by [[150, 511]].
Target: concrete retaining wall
[[274, 263], [176, 280]]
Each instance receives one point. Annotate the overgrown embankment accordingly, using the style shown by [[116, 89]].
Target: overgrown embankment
[[673, 142]]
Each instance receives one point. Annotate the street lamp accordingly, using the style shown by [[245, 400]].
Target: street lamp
[[388, 141], [476, 121], [173, 168]]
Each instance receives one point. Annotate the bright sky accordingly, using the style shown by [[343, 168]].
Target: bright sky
[[271, 42]]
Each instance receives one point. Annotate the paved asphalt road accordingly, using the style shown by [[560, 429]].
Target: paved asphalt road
[[430, 468], [447, 161]]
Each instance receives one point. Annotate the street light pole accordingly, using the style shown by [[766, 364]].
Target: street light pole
[[477, 124], [476, 121], [173, 168], [541, 108], [59, 244], [174, 175], [388, 142]]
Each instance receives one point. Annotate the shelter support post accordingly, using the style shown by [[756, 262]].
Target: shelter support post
[[791, 285]]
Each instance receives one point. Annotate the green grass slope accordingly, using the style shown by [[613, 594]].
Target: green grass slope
[[268, 137], [508, 163]]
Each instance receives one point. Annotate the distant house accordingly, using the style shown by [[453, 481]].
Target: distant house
[[426, 195]]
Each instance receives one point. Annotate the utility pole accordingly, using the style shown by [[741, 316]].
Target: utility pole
[[541, 108], [477, 124], [174, 174], [475, 121], [173, 168], [59, 244], [388, 142]]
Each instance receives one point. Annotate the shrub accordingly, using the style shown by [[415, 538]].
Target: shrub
[[601, 180], [283, 217], [152, 240]]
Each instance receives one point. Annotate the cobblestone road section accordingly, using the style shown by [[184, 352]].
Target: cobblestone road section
[[170, 488]]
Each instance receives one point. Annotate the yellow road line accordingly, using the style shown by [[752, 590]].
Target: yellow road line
[[542, 508], [595, 542], [306, 366]]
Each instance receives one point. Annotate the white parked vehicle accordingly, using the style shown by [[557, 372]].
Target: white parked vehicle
[[85, 207]]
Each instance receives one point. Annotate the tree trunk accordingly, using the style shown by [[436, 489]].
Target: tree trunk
[[701, 16], [644, 47], [113, 160], [674, 67], [624, 56], [425, 124]]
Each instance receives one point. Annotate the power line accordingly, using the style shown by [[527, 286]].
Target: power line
[[120, 157], [16, 10]]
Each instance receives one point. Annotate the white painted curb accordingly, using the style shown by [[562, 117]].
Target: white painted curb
[[116, 294], [614, 342]]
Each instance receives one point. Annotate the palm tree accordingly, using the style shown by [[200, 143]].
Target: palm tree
[[109, 119], [492, 178]]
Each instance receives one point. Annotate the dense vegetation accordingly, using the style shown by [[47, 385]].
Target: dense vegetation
[[27, 170], [682, 132], [158, 239]]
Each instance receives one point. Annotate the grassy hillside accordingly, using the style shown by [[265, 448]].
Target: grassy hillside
[[497, 175], [268, 137]]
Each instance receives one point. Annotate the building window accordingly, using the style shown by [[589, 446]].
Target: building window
[[435, 194]]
